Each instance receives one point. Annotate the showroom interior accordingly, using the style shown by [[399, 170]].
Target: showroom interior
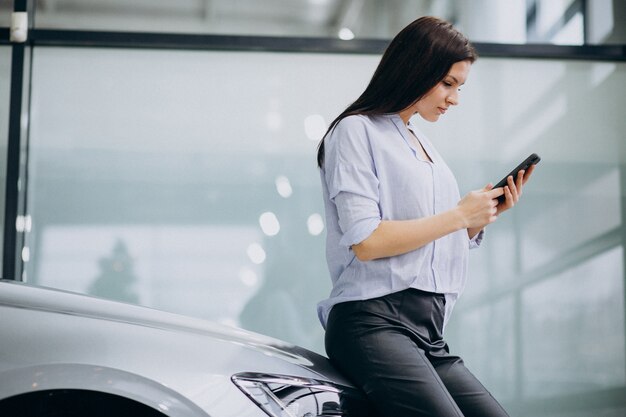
[[163, 154]]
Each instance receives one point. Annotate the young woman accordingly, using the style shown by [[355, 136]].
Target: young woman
[[398, 232]]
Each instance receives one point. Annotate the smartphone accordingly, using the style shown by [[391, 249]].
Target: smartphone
[[533, 159]]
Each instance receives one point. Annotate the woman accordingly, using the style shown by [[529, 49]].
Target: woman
[[399, 233]]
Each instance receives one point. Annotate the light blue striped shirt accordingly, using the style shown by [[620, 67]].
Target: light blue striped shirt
[[372, 172]]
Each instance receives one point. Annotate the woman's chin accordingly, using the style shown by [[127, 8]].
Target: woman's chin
[[431, 117]]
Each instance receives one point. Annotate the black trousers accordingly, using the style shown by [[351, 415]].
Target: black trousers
[[393, 348]]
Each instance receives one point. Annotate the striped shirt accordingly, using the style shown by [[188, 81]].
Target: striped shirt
[[373, 171]]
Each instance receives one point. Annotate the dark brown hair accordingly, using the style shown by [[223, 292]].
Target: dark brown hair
[[416, 60]]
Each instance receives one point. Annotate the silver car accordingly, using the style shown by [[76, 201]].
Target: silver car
[[66, 354]]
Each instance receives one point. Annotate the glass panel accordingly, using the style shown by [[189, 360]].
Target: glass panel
[[572, 333], [184, 181], [551, 270], [494, 21], [476, 332], [5, 95]]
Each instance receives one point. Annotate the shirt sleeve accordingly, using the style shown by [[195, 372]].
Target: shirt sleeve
[[477, 240], [350, 175]]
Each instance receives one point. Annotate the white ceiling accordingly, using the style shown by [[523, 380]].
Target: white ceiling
[[367, 18]]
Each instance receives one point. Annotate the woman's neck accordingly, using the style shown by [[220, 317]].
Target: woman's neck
[[406, 115]]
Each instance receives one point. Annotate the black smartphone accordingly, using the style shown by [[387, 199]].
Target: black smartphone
[[533, 159]]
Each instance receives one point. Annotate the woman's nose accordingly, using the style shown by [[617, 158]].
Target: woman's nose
[[453, 99]]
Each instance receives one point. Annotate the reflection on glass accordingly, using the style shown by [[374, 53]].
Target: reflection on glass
[[25, 254], [248, 277], [315, 127], [116, 278], [283, 186], [256, 253], [269, 223], [202, 271], [315, 224]]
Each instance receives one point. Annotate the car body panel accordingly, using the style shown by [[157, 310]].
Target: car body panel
[[70, 376], [55, 339]]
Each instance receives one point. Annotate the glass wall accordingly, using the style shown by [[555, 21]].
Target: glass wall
[[5, 83], [542, 319], [494, 21], [186, 181]]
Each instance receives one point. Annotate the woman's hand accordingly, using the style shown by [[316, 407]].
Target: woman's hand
[[479, 208], [513, 190]]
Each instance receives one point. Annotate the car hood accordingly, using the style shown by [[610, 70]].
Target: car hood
[[21, 295]]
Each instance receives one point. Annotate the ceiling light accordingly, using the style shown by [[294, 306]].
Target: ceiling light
[[346, 34]]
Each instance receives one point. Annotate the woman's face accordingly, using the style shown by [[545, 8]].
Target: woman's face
[[445, 94]]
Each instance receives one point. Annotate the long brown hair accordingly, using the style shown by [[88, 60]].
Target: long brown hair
[[416, 60]]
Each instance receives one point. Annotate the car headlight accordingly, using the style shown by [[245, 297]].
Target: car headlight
[[287, 396]]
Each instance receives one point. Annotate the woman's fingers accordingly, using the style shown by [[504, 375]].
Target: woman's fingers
[[528, 173], [513, 190]]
